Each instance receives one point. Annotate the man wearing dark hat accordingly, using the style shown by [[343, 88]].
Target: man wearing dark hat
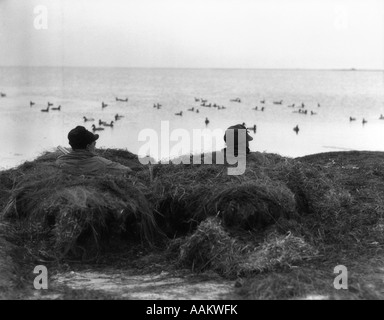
[[235, 154], [236, 140], [83, 159]]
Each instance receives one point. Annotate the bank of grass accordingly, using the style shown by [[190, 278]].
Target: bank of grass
[[282, 225]]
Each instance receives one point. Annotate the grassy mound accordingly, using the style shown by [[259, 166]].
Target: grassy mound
[[157, 199], [209, 247], [71, 211], [213, 247], [280, 215], [278, 252]]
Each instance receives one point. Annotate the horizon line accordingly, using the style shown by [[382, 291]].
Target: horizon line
[[196, 68]]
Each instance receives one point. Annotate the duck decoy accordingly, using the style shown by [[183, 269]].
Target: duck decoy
[[278, 102], [352, 119], [118, 117], [108, 124], [50, 104], [31, 103], [204, 100], [313, 113], [103, 105], [197, 99], [255, 108], [45, 110], [101, 122], [122, 100], [179, 113], [262, 101], [191, 109], [58, 108], [88, 119], [94, 128], [206, 121]]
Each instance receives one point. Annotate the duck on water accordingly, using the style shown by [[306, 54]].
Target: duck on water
[[94, 128], [108, 124]]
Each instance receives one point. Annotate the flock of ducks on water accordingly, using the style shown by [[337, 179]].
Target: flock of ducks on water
[[203, 103], [365, 121], [103, 124], [94, 128]]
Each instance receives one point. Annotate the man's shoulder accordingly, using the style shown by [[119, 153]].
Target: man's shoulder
[[102, 159], [110, 164]]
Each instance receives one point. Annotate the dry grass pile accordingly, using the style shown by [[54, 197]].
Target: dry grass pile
[[352, 223], [188, 194], [71, 210], [212, 247], [314, 215], [278, 252], [205, 206], [182, 192], [315, 192], [271, 187], [209, 247], [251, 205]]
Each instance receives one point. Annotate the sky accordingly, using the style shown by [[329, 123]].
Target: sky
[[308, 34]]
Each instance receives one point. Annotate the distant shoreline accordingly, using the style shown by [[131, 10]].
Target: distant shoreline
[[202, 68]]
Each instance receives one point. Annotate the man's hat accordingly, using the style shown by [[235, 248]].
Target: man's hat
[[80, 137], [235, 129]]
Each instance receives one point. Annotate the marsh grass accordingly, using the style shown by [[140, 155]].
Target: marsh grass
[[280, 220]]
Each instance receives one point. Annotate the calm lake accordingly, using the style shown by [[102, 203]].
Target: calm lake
[[333, 97]]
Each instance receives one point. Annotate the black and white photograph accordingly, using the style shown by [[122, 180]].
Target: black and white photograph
[[191, 155]]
